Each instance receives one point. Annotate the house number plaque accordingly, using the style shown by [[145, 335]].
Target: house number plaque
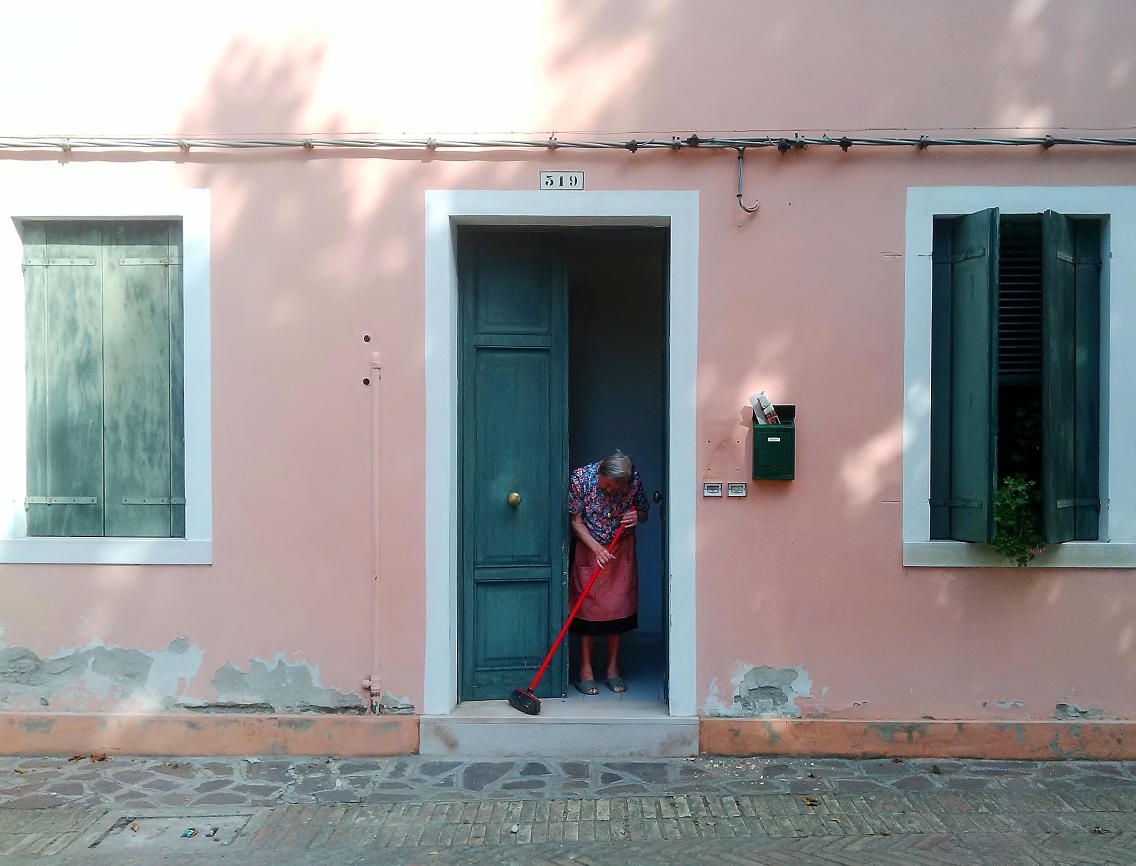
[[561, 180]]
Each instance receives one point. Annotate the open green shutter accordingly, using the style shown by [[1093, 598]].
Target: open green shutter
[[973, 376], [64, 368], [1071, 387]]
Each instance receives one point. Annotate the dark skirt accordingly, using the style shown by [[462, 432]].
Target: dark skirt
[[608, 626]]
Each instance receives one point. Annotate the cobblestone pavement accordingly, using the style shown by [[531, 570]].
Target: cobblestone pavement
[[414, 810], [35, 783]]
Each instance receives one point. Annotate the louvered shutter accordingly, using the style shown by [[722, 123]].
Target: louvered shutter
[[1019, 302]]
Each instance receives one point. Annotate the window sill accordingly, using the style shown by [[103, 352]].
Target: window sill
[[1071, 554], [106, 551]]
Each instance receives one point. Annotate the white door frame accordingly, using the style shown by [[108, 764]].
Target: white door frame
[[447, 209]]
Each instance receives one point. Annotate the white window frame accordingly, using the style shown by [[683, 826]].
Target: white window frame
[[1117, 545], [191, 208]]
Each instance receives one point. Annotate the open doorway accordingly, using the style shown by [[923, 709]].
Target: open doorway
[[449, 214], [617, 401], [563, 362]]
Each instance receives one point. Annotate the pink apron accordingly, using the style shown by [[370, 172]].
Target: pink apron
[[615, 594]]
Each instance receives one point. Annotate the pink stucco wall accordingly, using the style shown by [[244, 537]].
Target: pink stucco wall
[[311, 251]]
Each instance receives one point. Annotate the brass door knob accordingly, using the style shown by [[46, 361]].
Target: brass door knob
[[514, 499]]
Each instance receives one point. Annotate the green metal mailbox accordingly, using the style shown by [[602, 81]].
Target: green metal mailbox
[[774, 447]]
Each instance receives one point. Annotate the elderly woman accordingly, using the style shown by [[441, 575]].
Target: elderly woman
[[601, 496]]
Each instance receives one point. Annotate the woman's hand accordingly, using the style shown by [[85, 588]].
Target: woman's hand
[[630, 519], [603, 557]]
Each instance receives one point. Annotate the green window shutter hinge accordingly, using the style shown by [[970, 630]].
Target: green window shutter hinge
[[59, 263], [61, 500], [967, 256], [153, 500]]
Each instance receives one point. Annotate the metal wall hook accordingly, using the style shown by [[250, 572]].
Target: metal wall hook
[[741, 179]]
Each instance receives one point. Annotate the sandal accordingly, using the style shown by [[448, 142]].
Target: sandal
[[587, 687], [616, 684]]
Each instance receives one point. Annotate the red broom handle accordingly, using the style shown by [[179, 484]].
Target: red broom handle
[[572, 615]]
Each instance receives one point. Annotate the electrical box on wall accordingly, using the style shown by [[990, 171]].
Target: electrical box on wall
[[775, 446]]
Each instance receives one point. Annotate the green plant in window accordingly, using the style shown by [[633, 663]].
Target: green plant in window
[[1024, 438], [1017, 530]]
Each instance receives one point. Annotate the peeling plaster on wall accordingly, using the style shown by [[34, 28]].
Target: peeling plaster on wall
[[96, 677], [1009, 705], [285, 686], [391, 705], [1072, 711], [763, 692], [713, 705]]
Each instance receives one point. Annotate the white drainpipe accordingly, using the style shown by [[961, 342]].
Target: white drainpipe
[[373, 683]]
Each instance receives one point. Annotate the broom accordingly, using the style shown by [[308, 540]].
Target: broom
[[524, 699]]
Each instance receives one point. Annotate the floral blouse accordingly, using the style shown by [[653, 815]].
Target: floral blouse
[[602, 510]]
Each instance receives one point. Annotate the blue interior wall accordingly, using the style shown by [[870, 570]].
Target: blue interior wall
[[617, 369]]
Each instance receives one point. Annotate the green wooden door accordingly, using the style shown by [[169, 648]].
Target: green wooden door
[[512, 432]]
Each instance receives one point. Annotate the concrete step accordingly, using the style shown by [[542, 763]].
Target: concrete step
[[564, 729]]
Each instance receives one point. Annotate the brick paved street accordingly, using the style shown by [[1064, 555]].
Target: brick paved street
[[421, 810]]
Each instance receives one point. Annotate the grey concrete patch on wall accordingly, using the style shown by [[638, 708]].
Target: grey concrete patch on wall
[[288, 687], [763, 692], [766, 691], [392, 705], [107, 677], [1072, 711]]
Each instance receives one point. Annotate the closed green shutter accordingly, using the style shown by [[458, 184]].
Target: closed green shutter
[[63, 292], [141, 320], [973, 376], [177, 383], [1071, 387], [104, 379]]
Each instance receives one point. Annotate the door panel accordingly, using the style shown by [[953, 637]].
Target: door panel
[[513, 408], [518, 613], [512, 422], [510, 302]]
